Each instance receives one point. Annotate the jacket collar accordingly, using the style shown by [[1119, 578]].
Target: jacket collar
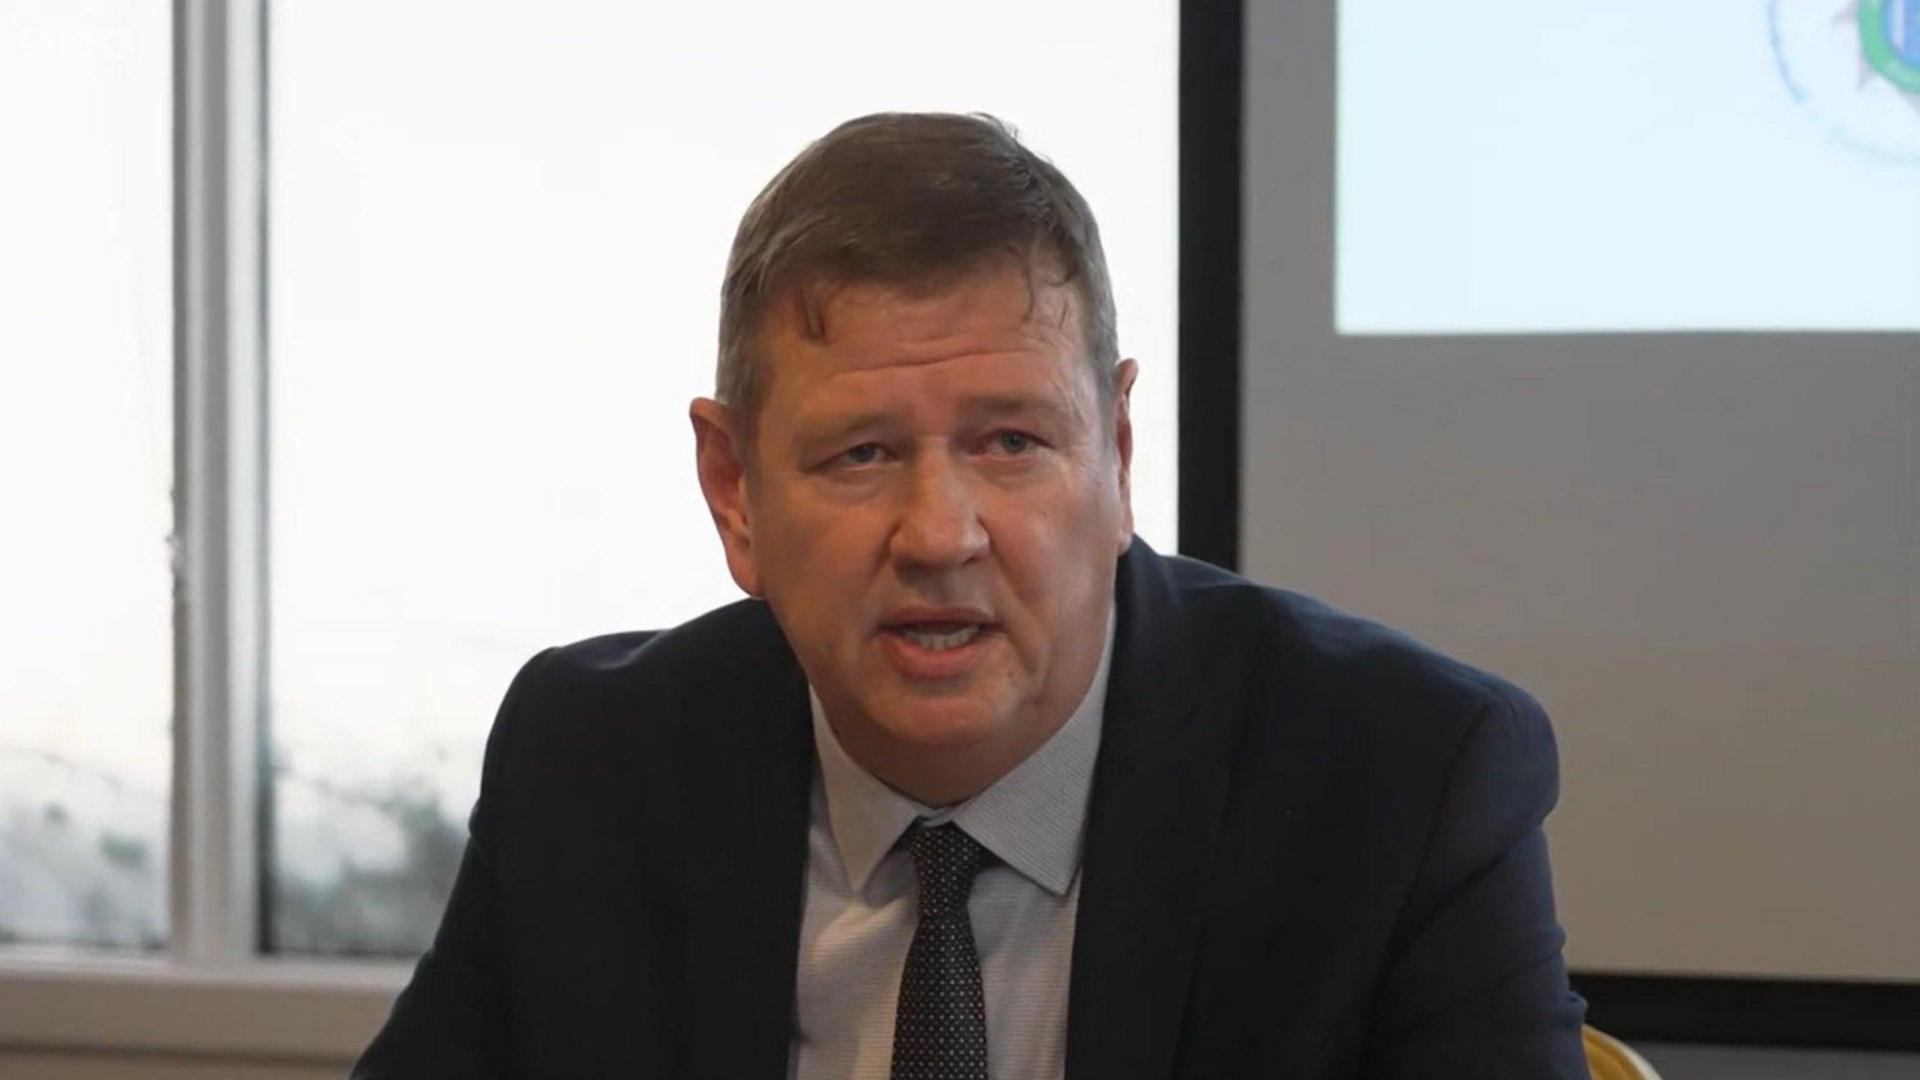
[[1158, 789], [1033, 818], [745, 766]]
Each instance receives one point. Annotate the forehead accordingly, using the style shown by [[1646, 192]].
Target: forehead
[[999, 322], [1005, 304]]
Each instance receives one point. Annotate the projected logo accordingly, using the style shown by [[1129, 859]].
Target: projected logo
[[1856, 67]]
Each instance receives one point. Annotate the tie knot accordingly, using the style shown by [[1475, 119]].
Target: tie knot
[[945, 859]]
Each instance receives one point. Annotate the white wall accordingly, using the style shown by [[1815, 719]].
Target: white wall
[[1699, 551]]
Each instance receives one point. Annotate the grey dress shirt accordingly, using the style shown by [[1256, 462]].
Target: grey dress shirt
[[860, 901]]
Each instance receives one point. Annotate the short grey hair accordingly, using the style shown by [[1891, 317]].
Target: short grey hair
[[916, 200]]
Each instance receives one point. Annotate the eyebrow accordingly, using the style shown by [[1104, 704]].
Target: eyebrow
[[811, 429], [973, 409], [998, 405]]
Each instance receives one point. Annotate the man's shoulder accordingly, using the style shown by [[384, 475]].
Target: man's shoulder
[[730, 661], [1378, 714], [717, 642], [1299, 644]]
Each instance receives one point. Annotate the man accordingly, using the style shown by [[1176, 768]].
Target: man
[[977, 783]]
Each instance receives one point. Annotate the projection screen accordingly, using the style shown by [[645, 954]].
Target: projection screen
[[1583, 346]]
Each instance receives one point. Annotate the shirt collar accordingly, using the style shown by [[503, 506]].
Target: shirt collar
[[1033, 818]]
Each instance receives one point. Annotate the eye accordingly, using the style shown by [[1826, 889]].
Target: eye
[[864, 454], [1013, 443]]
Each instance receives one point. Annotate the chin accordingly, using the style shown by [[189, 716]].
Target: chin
[[942, 725]]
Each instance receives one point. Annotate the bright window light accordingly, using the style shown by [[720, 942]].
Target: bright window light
[[497, 237], [86, 453]]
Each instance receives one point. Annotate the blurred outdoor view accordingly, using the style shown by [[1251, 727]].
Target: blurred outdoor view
[[491, 299], [86, 445]]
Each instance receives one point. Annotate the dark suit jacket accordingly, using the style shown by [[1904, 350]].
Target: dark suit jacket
[[1313, 850]]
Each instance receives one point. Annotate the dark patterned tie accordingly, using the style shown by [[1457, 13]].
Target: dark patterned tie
[[940, 1025]]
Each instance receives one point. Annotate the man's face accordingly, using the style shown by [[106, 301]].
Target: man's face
[[933, 505]]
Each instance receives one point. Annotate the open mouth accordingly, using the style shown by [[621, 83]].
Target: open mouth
[[940, 637]]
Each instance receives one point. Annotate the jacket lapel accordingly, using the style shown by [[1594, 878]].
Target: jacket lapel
[[747, 761], [1159, 786]]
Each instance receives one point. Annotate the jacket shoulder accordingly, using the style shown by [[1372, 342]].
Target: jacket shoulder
[[638, 683], [703, 650], [1308, 648]]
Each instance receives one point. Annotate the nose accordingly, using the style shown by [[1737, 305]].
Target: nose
[[939, 522]]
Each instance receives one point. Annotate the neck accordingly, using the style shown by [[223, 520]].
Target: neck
[[939, 765], [940, 776]]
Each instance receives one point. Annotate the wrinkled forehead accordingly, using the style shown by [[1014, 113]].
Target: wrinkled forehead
[[832, 327], [880, 323], [1011, 321]]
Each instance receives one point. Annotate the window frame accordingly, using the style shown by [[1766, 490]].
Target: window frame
[[201, 996], [213, 995]]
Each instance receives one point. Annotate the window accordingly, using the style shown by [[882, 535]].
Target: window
[[85, 466], [459, 437], [490, 240], [493, 287]]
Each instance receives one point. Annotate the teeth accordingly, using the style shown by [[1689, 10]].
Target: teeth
[[930, 639]]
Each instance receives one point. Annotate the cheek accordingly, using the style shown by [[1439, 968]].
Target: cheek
[[1070, 541], [1066, 523], [1052, 561], [818, 562], [795, 533]]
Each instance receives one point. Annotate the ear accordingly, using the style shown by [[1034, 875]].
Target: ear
[[1124, 374], [721, 461]]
